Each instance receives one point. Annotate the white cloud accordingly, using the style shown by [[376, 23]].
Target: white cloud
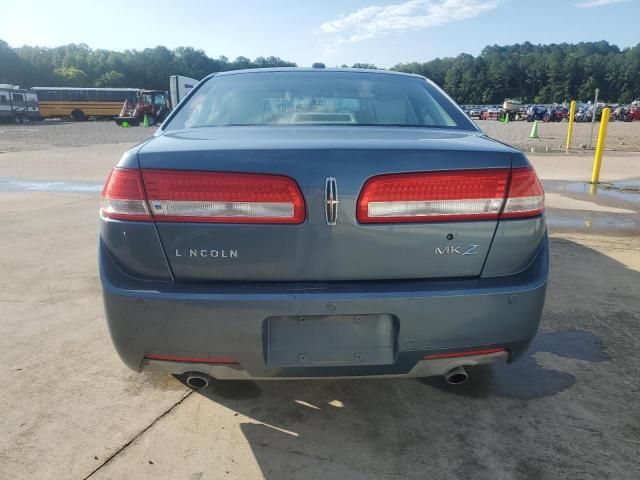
[[597, 3], [376, 21]]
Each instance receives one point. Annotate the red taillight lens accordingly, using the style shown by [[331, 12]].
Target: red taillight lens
[[433, 196], [468, 353], [123, 196], [173, 358], [179, 196], [525, 197], [182, 196], [451, 196]]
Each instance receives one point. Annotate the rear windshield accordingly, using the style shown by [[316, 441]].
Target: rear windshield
[[318, 98]]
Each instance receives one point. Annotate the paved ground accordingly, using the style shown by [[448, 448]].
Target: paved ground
[[71, 410]]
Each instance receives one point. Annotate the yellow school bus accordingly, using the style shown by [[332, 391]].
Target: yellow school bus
[[82, 103]]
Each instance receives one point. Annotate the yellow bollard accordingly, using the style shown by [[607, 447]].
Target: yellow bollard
[[602, 136], [572, 114]]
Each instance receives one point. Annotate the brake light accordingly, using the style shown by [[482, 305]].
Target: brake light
[[526, 196], [433, 196], [123, 196], [460, 195], [183, 196]]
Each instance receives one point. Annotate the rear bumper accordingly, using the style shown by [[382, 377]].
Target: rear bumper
[[229, 320]]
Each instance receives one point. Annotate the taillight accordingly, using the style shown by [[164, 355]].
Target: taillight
[[183, 196], [448, 196], [123, 196], [433, 196], [525, 197]]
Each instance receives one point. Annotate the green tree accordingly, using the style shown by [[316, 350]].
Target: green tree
[[71, 77], [111, 79]]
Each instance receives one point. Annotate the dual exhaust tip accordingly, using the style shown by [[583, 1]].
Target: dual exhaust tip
[[198, 381]]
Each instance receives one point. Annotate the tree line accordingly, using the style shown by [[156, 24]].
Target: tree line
[[537, 73], [531, 73], [80, 66]]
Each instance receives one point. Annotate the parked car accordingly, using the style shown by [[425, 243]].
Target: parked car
[[627, 113], [475, 112], [555, 114], [633, 114], [305, 223], [491, 113], [583, 114], [536, 112]]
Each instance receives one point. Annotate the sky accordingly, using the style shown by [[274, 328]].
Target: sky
[[335, 32]]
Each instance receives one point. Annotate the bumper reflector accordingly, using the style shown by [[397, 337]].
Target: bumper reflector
[[468, 353], [172, 358]]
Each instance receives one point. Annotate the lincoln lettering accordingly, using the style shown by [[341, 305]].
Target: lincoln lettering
[[206, 253]]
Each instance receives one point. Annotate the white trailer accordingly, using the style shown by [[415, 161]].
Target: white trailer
[[18, 105], [179, 87]]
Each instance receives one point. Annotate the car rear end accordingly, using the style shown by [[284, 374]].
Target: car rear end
[[294, 250]]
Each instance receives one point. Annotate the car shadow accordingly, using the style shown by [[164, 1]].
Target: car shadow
[[424, 428]]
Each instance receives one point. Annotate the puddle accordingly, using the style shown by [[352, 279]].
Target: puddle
[[626, 193], [9, 184], [623, 196], [596, 222], [525, 378]]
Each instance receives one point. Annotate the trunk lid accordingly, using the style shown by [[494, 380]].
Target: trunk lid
[[316, 250]]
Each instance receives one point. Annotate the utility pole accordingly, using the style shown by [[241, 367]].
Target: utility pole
[[593, 116]]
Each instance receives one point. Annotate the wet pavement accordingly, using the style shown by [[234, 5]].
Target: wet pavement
[[603, 208], [9, 184]]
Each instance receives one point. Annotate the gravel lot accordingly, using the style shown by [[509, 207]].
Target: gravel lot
[[43, 135], [37, 136], [621, 136]]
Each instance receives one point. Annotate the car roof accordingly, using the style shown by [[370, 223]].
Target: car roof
[[315, 70]]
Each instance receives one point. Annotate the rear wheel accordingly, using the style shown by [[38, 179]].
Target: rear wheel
[[78, 116]]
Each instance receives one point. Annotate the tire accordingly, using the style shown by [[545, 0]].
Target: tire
[[162, 115], [78, 116], [151, 119]]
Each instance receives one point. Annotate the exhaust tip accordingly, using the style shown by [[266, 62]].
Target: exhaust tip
[[456, 376], [197, 380]]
